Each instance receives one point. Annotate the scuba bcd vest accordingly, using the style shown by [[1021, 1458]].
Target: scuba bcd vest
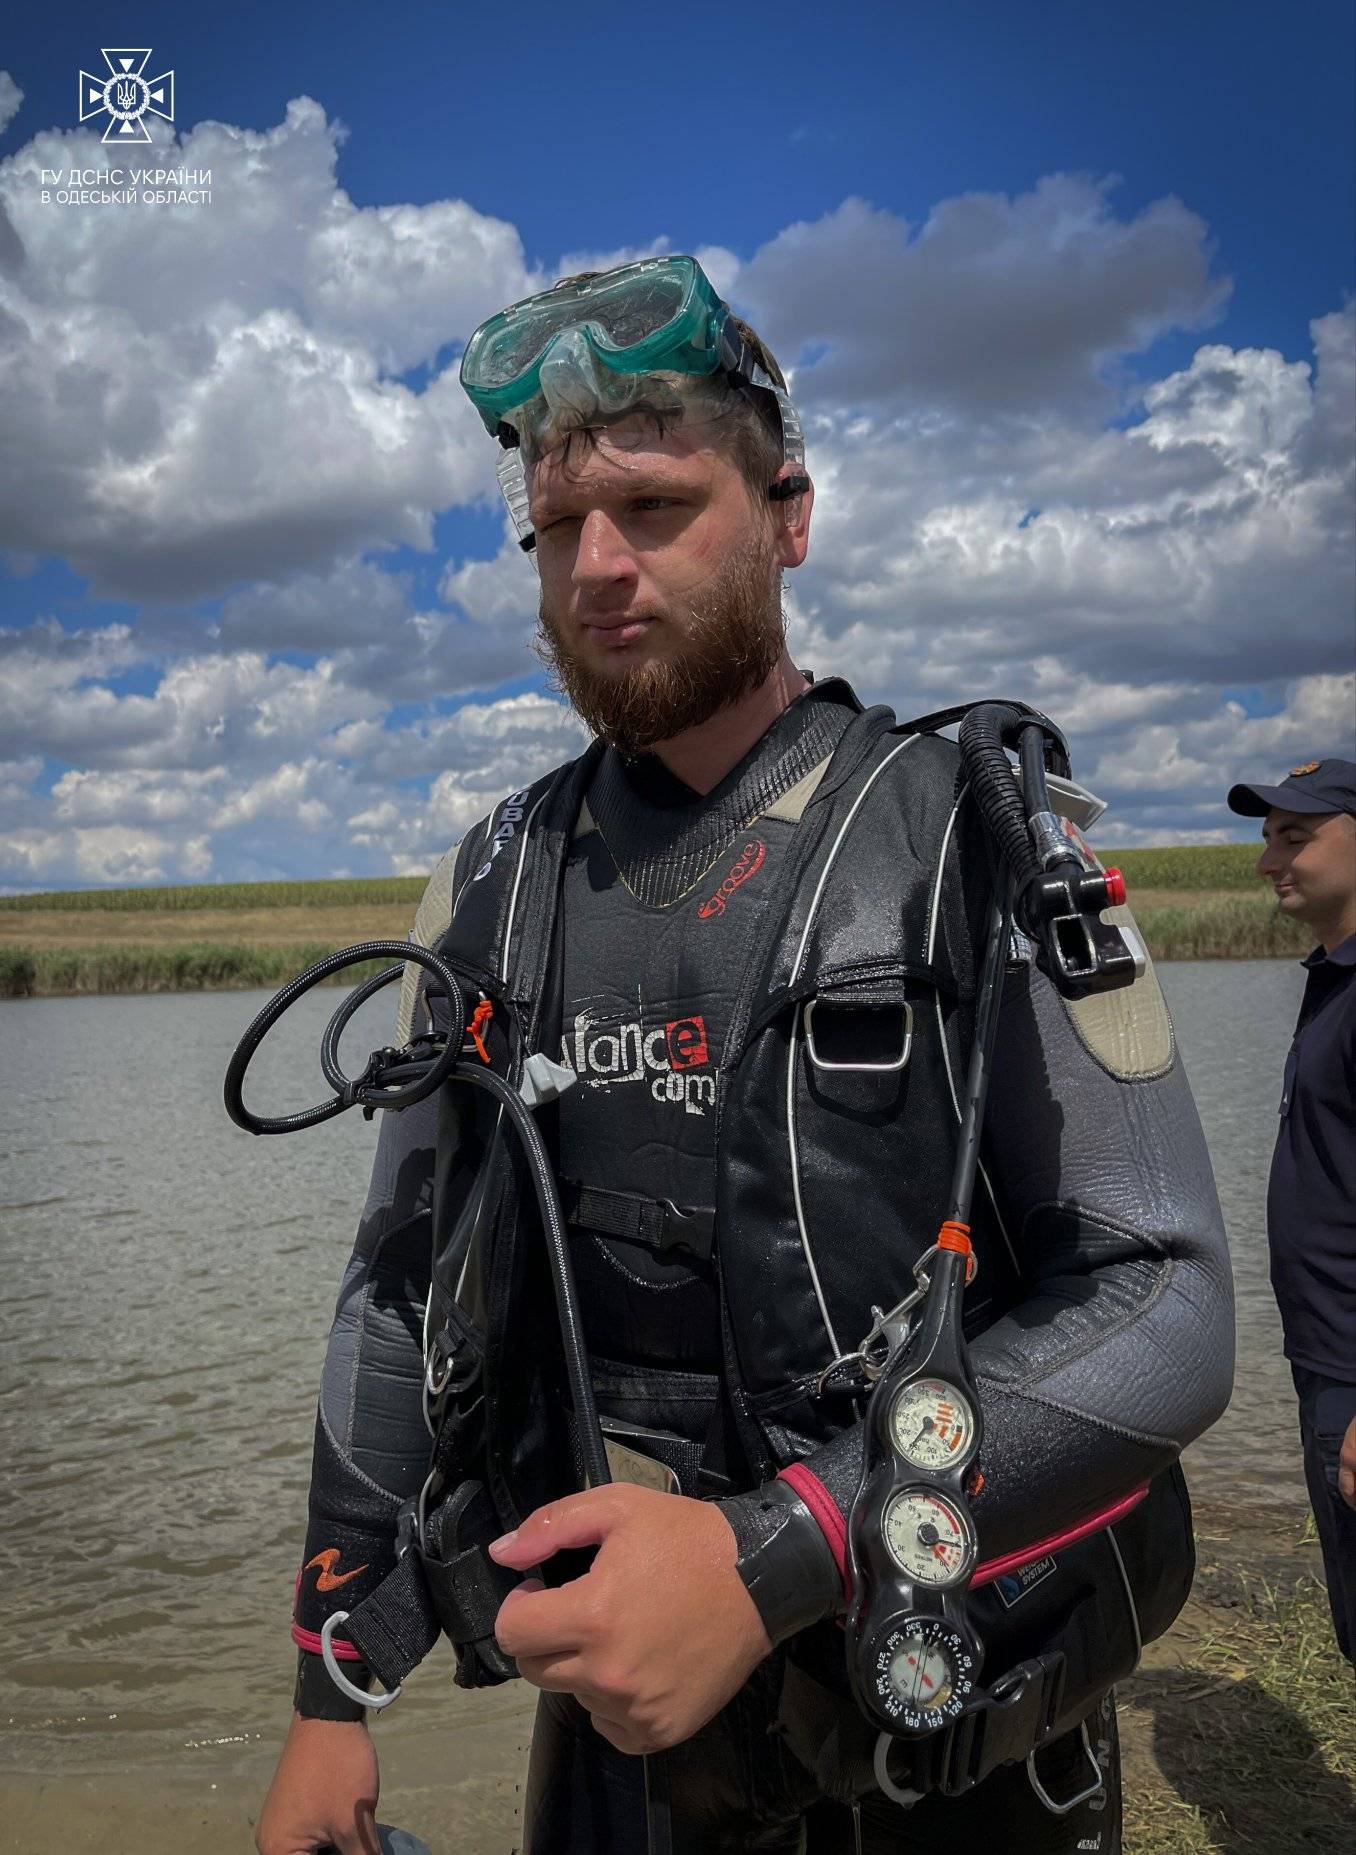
[[836, 1107], [836, 1112]]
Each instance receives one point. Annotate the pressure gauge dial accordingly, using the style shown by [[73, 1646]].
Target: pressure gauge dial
[[931, 1424], [929, 1538], [923, 1672]]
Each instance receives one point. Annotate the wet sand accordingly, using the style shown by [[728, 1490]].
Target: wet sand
[[1190, 1720], [461, 1795]]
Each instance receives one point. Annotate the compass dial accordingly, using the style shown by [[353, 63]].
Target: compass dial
[[931, 1424], [928, 1537], [923, 1673]]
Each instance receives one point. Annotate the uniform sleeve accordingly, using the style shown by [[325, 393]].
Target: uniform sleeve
[[372, 1446], [1121, 1351]]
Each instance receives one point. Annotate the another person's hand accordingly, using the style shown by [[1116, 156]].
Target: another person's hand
[[324, 1792], [1346, 1466], [657, 1635]]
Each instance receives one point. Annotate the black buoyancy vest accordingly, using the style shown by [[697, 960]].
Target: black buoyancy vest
[[835, 1114]]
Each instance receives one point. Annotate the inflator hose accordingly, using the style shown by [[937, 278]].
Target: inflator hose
[[989, 772], [562, 1273]]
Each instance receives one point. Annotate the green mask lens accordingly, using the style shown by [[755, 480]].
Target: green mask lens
[[588, 346], [660, 314]]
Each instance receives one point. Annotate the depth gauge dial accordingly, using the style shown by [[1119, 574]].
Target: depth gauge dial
[[930, 1538]]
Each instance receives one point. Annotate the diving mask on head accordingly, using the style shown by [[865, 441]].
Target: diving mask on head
[[652, 335]]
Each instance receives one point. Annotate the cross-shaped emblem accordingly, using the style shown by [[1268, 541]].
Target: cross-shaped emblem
[[126, 95]]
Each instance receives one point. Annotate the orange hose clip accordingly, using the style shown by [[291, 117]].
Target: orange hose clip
[[956, 1236], [475, 1030]]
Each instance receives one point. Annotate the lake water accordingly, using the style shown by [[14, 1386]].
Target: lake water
[[168, 1283]]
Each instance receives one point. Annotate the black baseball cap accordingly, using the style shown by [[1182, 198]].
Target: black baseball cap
[[1317, 786]]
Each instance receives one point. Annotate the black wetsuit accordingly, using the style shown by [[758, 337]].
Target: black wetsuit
[[661, 895]]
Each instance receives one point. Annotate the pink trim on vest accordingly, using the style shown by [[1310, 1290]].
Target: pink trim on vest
[[834, 1528], [1026, 1555]]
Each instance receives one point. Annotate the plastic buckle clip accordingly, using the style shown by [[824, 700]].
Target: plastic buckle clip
[[1012, 1720], [692, 1230]]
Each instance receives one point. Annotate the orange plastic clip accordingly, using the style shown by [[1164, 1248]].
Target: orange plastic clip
[[475, 1030], [956, 1236]]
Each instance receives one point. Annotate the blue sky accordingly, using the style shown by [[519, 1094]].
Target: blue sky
[[1244, 110], [1199, 158]]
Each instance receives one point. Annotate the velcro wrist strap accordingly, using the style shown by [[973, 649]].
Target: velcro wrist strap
[[784, 1560]]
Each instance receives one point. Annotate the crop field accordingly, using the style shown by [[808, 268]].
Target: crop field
[[1190, 867], [1192, 903], [191, 898]]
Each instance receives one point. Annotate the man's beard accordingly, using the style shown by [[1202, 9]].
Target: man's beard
[[732, 638]]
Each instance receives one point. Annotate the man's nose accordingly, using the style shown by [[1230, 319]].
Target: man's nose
[[1270, 861], [603, 556]]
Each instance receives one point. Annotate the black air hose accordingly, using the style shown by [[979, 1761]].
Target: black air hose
[[990, 774]]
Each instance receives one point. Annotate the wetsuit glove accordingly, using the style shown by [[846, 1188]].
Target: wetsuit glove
[[787, 1565]]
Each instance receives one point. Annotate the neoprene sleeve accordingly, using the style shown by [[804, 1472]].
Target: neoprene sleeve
[[371, 1446]]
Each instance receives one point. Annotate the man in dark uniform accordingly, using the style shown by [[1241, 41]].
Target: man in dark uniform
[[1309, 832], [742, 1180]]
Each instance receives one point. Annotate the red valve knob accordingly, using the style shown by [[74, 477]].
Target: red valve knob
[[1115, 888]]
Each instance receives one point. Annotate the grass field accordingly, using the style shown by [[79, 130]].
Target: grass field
[[1239, 1728], [1211, 867], [1196, 903], [191, 898]]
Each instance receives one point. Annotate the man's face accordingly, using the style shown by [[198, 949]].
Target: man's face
[[1310, 860], [660, 579]]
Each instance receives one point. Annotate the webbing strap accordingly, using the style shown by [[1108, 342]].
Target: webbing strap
[[656, 1223], [396, 1625], [443, 1590]]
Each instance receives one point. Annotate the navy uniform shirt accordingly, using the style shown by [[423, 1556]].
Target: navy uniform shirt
[[1311, 1203]]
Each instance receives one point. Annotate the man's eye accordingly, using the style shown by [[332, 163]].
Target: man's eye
[[645, 504]]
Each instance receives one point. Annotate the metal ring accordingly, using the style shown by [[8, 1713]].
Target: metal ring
[[421, 1507], [880, 1069], [1043, 1796], [337, 1675], [431, 1390]]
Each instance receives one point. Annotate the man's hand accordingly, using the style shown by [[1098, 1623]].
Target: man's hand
[[1346, 1466], [657, 1635], [324, 1792]]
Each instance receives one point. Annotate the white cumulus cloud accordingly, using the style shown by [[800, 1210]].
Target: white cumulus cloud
[[230, 420]]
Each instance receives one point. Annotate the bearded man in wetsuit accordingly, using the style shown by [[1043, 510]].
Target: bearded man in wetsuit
[[665, 496]]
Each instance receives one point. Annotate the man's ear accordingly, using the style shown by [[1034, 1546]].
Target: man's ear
[[791, 518]]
